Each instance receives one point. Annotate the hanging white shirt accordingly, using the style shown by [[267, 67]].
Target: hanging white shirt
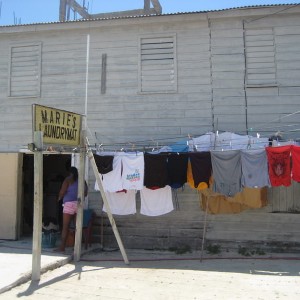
[[133, 171], [122, 203], [156, 202], [112, 181]]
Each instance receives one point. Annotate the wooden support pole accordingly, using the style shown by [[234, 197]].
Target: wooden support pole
[[204, 229], [108, 211], [80, 199], [38, 206]]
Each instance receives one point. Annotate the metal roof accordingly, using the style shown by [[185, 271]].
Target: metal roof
[[160, 15]]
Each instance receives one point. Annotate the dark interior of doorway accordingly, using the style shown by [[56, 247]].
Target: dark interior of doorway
[[55, 169]]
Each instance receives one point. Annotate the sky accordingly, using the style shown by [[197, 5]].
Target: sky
[[14, 12]]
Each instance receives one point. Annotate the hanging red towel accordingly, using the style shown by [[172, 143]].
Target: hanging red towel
[[296, 163], [279, 161]]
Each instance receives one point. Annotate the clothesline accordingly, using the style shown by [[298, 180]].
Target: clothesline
[[155, 175], [154, 143]]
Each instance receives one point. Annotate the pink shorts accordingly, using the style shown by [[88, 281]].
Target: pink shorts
[[70, 208]]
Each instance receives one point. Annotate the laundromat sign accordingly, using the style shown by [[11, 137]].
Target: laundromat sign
[[58, 126]]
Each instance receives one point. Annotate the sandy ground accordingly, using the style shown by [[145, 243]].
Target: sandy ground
[[165, 275]]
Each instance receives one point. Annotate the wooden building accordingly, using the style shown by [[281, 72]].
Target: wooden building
[[154, 80]]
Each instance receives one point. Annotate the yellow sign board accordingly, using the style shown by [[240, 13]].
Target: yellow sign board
[[58, 126]]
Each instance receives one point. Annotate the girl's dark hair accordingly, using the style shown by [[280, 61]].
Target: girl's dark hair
[[74, 173]]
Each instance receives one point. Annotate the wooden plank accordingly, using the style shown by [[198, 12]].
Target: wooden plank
[[255, 44], [286, 30], [259, 32], [259, 49], [261, 71], [111, 219], [38, 206], [80, 197], [229, 42], [290, 198]]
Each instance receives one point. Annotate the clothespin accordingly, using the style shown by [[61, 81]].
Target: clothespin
[[154, 146], [132, 146], [249, 143]]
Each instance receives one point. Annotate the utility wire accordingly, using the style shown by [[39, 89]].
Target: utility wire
[[277, 12]]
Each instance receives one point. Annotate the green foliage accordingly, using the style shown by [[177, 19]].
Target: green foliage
[[248, 252], [181, 249], [213, 249]]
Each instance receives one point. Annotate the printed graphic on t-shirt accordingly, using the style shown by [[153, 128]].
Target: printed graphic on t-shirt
[[135, 177], [279, 164]]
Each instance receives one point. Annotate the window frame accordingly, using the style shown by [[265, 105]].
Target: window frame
[[158, 36], [39, 69]]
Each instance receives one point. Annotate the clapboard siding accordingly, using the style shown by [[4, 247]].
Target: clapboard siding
[[227, 72], [215, 57]]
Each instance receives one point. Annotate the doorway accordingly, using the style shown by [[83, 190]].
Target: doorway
[[55, 169]]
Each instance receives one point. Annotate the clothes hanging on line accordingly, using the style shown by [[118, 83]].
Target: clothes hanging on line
[[226, 141], [279, 162], [218, 204], [104, 163], [112, 181], [251, 197], [296, 163], [156, 202], [121, 203], [248, 198], [177, 169], [201, 167], [227, 172], [133, 171], [254, 168], [232, 169], [190, 179], [156, 170]]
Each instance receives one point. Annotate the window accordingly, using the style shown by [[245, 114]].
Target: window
[[158, 68], [260, 57], [25, 70]]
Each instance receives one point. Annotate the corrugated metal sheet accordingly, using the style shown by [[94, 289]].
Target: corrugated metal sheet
[[168, 14]]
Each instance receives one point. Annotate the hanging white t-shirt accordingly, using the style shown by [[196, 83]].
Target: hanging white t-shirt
[[122, 203], [156, 202], [112, 181], [133, 171]]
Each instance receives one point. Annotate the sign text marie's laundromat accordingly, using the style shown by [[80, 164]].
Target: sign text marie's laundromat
[[58, 126]]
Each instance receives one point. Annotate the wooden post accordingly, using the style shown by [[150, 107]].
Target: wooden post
[[204, 229], [80, 200], [108, 211], [38, 206]]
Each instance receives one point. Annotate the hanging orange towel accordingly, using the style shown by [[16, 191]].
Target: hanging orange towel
[[251, 197], [218, 204]]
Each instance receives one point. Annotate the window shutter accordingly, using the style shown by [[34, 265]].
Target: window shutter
[[158, 68], [25, 70], [260, 57]]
